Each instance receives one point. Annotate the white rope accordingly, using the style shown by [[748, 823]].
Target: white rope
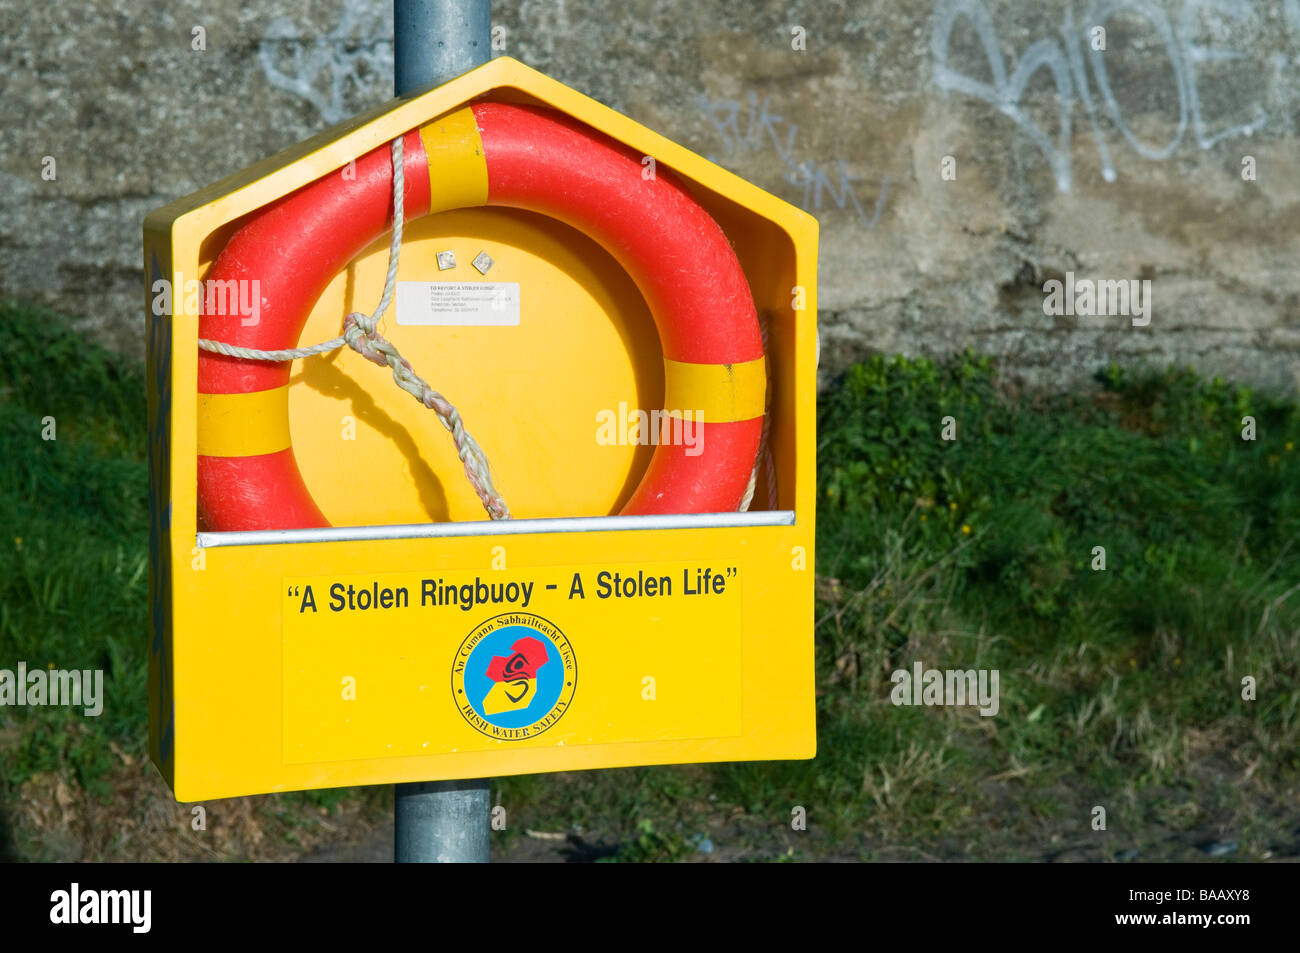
[[361, 334]]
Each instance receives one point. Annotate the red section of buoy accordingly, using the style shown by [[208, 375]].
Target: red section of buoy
[[711, 482], [261, 492]]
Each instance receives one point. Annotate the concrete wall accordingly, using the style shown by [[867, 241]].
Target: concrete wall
[[959, 153]]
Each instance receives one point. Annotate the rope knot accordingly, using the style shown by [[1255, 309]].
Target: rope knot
[[360, 333]]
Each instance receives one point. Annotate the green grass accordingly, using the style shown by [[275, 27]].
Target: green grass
[[73, 555], [1200, 530], [1118, 687]]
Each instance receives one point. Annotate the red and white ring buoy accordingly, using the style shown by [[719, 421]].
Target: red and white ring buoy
[[485, 154]]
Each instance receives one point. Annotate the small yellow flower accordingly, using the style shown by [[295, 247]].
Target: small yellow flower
[[1290, 445], [965, 529], [18, 542], [922, 517], [952, 506]]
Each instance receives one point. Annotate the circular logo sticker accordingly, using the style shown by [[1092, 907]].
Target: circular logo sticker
[[514, 676]]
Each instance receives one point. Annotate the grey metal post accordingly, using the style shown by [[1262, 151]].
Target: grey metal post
[[435, 41], [441, 822]]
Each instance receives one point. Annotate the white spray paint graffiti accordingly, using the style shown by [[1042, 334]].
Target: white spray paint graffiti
[[808, 176], [358, 52], [1065, 62]]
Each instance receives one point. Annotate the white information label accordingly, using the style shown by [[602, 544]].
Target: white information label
[[458, 303]]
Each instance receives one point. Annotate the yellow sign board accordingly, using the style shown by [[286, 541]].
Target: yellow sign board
[[496, 661], [413, 640]]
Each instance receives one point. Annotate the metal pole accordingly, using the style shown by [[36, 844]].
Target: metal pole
[[435, 41], [438, 40], [441, 822]]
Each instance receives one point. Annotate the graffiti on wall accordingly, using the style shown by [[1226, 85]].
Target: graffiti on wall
[[752, 127], [1079, 72], [350, 61]]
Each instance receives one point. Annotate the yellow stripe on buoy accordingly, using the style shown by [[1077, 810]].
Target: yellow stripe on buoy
[[243, 425], [457, 166], [722, 393]]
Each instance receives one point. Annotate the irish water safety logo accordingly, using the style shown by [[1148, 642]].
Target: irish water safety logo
[[514, 676]]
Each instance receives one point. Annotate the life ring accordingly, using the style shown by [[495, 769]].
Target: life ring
[[485, 154]]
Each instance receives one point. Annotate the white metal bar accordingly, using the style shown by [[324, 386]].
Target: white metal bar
[[578, 524]]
